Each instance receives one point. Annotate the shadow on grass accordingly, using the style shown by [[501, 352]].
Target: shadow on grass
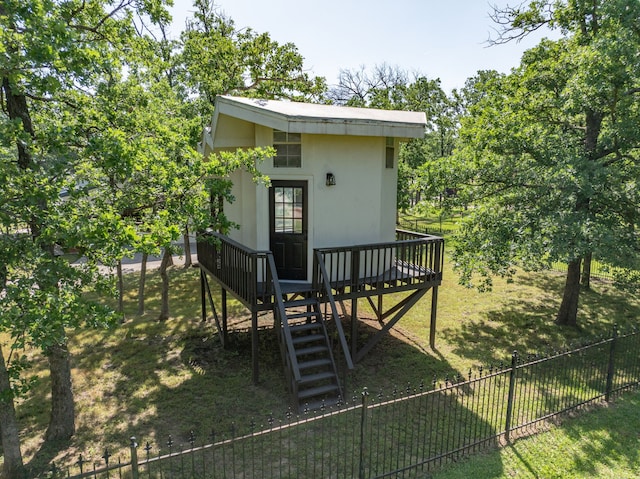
[[613, 438], [191, 385], [150, 379], [601, 443], [527, 325]]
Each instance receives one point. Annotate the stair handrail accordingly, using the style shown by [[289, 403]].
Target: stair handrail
[[324, 277], [279, 307]]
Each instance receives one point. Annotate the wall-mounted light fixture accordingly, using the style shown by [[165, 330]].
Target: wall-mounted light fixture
[[331, 179]]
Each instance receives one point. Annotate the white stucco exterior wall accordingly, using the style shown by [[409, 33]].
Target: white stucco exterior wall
[[349, 143], [242, 211], [359, 209]]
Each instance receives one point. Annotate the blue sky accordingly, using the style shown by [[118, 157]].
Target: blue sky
[[443, 39]]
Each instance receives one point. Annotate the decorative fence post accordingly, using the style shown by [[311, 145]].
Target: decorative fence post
[[512, 386], [363, 424], [134, 458], [611, 367]]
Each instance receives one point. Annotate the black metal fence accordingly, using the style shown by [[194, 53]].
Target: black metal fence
[[403, 434], [425, 226], [598, 270]]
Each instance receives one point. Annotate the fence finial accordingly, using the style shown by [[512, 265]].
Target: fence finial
[[106, 456], [364, 394], [134, 457]]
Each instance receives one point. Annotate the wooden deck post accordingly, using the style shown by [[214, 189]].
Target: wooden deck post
[[203, 298], [225, 329], [254, 346], [432, 326], [354, 327]]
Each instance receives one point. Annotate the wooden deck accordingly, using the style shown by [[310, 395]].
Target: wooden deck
[[412, 264], [400, 273]]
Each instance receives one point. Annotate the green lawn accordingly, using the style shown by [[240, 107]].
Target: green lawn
[[603, 443], [151, 379]]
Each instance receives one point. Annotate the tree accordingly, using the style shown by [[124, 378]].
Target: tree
[[54, 56], [550, 154], [425, 155], [383, 87], [97, 154], [218, 59], [180, 80]]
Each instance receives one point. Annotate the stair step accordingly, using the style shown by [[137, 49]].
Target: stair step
[[315, 363], [311, 350], [296, 303], [317, 391], [301, 327], [305, 314], [307, 338], [317, 377]]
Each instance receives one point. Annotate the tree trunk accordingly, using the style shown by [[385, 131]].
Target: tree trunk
[[12, 467], [143, 279], [568, 313], [17, 109], [585, 282], [164, 308], [62, 423], [120, 288], [187, 249]]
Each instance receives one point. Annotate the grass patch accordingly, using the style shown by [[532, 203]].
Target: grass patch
[[603, 443], [150, 379]]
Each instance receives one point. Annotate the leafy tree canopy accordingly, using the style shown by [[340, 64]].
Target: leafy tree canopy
[[219, 59], [97, 154], [550, 154]]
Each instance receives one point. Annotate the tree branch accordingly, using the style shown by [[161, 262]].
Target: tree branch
[[618, 158], [515, 23], [96, 28], [50, 100]]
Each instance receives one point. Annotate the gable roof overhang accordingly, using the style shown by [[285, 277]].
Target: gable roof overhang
[[296, 117]]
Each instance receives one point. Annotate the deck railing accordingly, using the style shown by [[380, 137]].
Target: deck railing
[[282, 325], [240, 269], [412, 261], [323, 286]]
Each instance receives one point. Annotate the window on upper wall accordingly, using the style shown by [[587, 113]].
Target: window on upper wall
[[389, 153], [288, 148]]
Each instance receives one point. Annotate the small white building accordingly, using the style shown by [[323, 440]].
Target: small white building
[[334, 178], [323, 234]]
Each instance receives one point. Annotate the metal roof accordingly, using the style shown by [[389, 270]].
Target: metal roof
[[297, 117]]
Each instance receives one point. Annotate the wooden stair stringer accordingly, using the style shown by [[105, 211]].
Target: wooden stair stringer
[[319, 383]]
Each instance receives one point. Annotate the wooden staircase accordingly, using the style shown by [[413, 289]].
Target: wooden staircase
[[307, 354]]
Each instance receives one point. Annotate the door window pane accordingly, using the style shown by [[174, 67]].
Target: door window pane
[[288, 210]]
